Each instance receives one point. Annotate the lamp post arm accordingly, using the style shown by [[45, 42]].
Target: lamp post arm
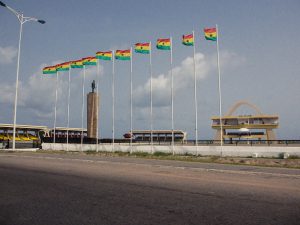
[[12, 10], [23, 19], [26, 19], [17, 14]]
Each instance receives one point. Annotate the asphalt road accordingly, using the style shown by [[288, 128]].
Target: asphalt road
[[77, 189]]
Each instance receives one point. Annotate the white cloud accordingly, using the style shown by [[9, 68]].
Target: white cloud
[[183, 77], [37, 94], [6, 93], [7, 54], [230, 60], [92, 70]]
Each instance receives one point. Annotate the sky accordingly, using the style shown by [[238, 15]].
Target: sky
[[259, 62]]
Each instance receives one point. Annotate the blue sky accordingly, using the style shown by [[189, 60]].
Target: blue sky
[[258, 47]]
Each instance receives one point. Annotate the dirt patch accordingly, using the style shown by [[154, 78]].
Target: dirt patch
[[289, 163]]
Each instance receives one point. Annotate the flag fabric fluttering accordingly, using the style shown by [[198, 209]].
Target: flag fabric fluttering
[[77, 64], [143, 48], [63, 66], [210, 34], [104, 55], [49, 70], [188, 39], [89, 61], [123, 54], [163, 44]]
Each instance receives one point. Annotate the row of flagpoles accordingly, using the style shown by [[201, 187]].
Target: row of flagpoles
[[142, 48]]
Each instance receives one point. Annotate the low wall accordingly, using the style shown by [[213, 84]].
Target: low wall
[[233, 151], [20, 149]]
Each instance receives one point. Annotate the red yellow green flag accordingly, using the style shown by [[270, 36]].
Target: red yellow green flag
[[163, 44], [123, 54], [49, 70], [90, 61], [188, 39], [104, 55], [143, 48], [77, 64], [210, 34], [63, 66]]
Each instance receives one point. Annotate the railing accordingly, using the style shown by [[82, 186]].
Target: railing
[[37, 144]]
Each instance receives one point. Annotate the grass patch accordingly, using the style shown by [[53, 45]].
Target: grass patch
[[214, 158], [120, 153], [191, 155], [294, 157], [158, 154], [140, 154], [51, 151], [282, 160], [91, 152]]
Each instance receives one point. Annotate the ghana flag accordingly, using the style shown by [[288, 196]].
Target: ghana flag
[[210, 34], [188, 39], [63, 66], [104, 55], [163, 44], [123, 54], [49, 70], [90, 61], [77, 64], [143, 48]]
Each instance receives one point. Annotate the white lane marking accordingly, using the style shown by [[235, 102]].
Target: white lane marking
[[159, 166]]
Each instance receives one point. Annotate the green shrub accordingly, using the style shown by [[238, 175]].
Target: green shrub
[[281, 155]]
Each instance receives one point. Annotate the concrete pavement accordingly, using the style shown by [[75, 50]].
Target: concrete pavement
[[78, 189]]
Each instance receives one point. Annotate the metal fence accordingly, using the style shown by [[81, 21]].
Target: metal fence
[[20, 144]]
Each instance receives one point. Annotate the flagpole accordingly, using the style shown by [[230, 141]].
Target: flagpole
[[131, 100], [55, 107], [172, 94], [98, 79], [220, 93], [195, 96], [68, 111], [82, 107], [113, 100], [151, 100]]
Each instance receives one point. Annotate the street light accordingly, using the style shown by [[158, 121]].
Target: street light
[[22, 19]]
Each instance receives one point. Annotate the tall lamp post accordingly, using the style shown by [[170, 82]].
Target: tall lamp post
[[22, 19]]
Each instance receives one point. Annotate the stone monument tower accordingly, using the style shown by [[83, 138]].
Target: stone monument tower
[[92, 112]]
